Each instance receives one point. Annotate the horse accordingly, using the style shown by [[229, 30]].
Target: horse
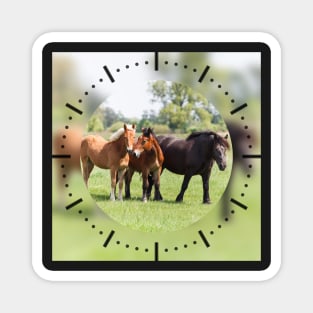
[[242, 165], [112, 154], [65, 142], [194, 155], [147, 158]]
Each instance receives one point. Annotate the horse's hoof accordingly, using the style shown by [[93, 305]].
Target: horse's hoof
[[207, 202]]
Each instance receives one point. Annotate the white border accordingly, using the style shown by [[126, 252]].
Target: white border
[[274, 46]]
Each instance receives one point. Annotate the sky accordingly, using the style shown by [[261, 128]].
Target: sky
[[132, 72]]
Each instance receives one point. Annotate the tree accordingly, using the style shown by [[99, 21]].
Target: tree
[[148, 118], [95, 124], [182, 108], [109, 117], [169, 92], [173, 116]]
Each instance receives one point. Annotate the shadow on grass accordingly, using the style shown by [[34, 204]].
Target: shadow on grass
[[100, 197], [160, 202]]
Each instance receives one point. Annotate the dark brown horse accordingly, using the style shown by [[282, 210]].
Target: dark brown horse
[[111, 155], [239, 137], [194, 155], [147, 158]]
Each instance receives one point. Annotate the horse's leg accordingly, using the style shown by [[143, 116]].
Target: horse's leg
[[184, 186], [128, 178], [120, 177], [156, 180], [145, 185], [113, 172], [205, 182], [150, 181]]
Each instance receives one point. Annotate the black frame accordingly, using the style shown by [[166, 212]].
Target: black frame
[[156, 47]]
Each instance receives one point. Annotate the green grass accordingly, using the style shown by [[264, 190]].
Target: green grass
[[161, 216], [79, 233]]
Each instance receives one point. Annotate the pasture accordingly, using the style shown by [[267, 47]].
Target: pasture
[[159, 216]]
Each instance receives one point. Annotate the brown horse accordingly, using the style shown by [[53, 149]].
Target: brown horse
[[111, 155], [147, 158], [65, 142]]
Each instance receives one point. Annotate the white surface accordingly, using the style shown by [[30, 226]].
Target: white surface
[[275, 149], [21, 24]]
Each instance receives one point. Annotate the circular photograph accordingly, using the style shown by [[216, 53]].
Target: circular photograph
[[161, 165]]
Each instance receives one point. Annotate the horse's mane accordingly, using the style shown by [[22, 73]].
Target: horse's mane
[[220, 139], [199, 133], [119, 133], [146, 131]]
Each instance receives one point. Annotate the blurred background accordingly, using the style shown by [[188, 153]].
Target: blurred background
[[172, 101]]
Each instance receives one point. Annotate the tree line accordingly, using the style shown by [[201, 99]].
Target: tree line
[[182, 110]]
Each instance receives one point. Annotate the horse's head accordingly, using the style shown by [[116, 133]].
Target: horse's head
[[129, 134], [219, 151], [144, 142]]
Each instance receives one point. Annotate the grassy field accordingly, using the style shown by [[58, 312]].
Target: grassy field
[[79, 233], [166, 215]]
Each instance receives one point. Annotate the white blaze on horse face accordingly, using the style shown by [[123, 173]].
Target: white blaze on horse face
[[129, 148], [129, 134], [137, 153]]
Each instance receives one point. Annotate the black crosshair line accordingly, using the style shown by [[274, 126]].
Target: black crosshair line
[[156, 251], [74, 203], [252, 156], [239, 108], [70, 106], [243, 206], [107, 71], [205, 71], [61, 156], [108, 238], [204, 239], [156, 61]]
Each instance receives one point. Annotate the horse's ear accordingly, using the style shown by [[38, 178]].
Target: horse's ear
[[134, 126], [226, 136], [125, 127]]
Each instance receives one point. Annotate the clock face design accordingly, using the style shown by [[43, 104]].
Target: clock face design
[[156, 156], [179, 112]]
